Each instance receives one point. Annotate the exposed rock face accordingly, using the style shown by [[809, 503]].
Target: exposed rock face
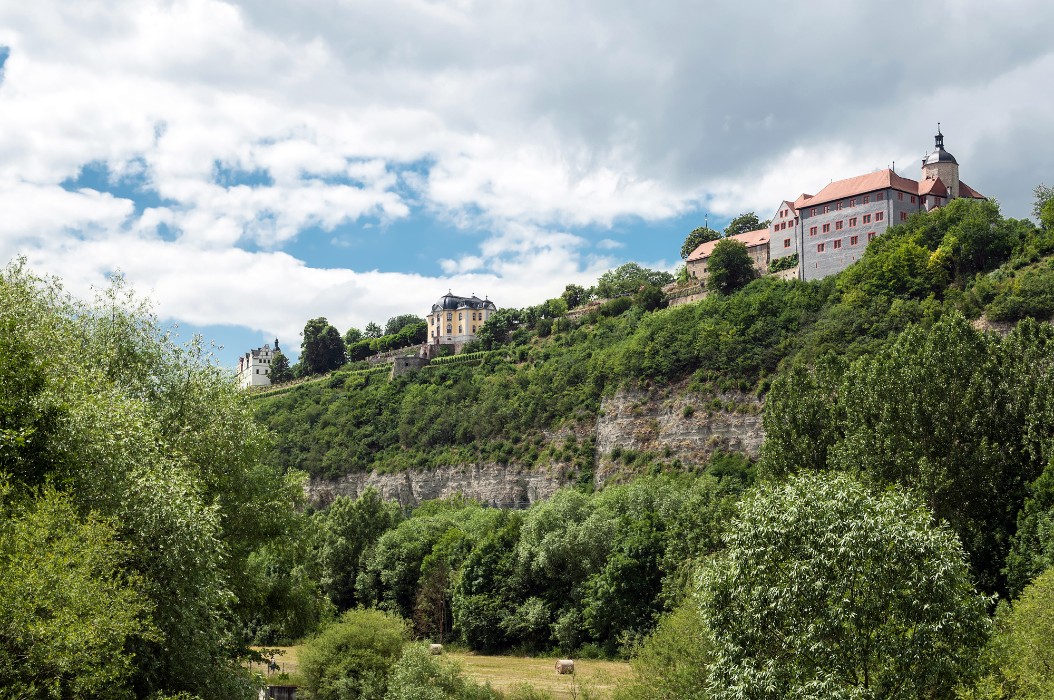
[[689, 427], [505, 485]]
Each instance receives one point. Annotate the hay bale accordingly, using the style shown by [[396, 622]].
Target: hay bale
[[565, 666], [435, 649]]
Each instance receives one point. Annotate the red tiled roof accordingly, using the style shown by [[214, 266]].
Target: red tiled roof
[[935, 187], [802, 199], [749, 239], [861, 184], [967, 191]]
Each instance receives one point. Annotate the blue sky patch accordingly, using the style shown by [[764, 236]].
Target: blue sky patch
[[98, 176], [4, 53]]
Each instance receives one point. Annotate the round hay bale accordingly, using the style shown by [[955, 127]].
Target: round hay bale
[[435, 649], [565, 666]]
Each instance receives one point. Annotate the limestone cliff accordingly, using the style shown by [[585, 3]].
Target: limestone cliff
[[685, 426]]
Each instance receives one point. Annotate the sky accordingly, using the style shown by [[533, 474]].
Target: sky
[[251, 165]]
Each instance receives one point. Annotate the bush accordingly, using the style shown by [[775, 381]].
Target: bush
[[419, 676], [351, 659]]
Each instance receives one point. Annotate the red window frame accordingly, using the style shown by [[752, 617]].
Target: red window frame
[[819, 247], [812, 231], [853, 240]]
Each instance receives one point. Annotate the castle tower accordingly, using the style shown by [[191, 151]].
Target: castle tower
[[941, 164]]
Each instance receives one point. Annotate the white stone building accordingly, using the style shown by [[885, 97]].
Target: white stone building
[[254, 367]]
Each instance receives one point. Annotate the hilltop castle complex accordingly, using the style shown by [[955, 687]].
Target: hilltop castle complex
[[829, 230], [455, 320]]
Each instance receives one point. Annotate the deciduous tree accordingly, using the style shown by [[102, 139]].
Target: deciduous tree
[[729, 268], [696, 238]]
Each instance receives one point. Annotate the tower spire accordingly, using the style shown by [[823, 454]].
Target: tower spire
[[938, 140]]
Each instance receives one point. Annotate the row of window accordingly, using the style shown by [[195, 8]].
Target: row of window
[[837, 243], [840, 224], [476, 316], [865, 199]]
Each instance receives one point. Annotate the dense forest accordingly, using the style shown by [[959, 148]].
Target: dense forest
[[895, 539]]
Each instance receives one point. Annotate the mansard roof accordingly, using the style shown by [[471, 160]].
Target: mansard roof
[[452, 302], [749, 239]]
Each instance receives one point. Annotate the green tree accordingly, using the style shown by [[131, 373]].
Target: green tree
[[351, 659], [1044, 195], [574, 296], [744, 223], [350, 529], [830, 589], [628, 279], [1024, 641], [498, 328], [397, 323], [420, 676], [674, 660], [373, 330], [322, 349], [280, 370], [696, 238], [352, 336], [729, 268], [68, 610]]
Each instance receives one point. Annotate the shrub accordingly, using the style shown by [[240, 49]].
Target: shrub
[[351, 659]]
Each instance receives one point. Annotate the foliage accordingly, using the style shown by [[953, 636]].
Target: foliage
[[68, 610], [785, 263], [280, 370], [809, 601], [352, 336], [134, 431], [628, 279], [730, 267], [696, 238], [574, 296], [349, 529], [419, 676], [351, 659], [673, 662], [745, 223], [397, 323], [1024, 641], [1044, 195], [322, 348]]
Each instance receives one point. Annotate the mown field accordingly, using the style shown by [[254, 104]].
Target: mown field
[[599, 678]]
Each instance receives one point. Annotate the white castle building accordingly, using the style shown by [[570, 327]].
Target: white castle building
[[254, 367]]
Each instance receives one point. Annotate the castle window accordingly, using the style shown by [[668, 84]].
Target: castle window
[[853, 240], [448, 328], [826, 228], [826, 208], [812, 212], [903, 216], [837, 243], [819, 247], [879, 216], [879, 196], [460, 316], [786, 243], [812, 231], [912, 199], [459, 330], [450, 316], [852, 202], [838, 206], [838, 225], [900, 196], [852, 222], [870, 236], [867, 218], [867, 199]]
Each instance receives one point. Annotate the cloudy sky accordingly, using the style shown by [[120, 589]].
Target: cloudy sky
[[252, 165]]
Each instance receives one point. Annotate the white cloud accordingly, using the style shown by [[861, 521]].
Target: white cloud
[[532, 122]]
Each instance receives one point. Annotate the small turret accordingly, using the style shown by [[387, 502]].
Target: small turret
[[941, 165]]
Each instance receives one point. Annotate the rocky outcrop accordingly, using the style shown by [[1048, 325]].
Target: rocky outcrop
[[504, 485], [677, 425], [686, 426]]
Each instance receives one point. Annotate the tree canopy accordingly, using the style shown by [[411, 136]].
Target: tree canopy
[[744, 223], [729, 267], [628, 279], [322, 349], [696, 238], [807, 600], [397, 323]]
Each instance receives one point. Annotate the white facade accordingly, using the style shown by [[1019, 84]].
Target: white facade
[[254, 367]]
